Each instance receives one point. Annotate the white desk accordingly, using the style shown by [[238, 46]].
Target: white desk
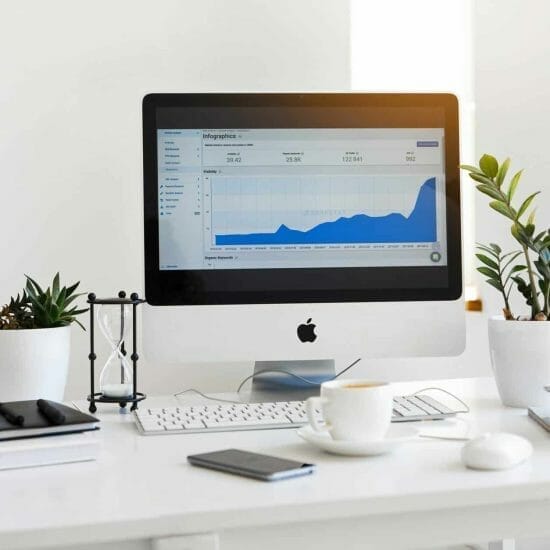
[[142, 488]]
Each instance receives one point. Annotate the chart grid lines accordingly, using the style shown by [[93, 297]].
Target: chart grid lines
[[364, 209]]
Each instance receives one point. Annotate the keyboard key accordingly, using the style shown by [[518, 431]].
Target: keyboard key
[[193, 424], [173, 427], [400, 410], [435, 404], [406, 408], [297, 418], [423, 405], [153, 427]]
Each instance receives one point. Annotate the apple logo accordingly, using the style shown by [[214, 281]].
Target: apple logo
[[306, 332]]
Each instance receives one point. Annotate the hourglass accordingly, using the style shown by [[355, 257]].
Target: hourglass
[[117, 381]]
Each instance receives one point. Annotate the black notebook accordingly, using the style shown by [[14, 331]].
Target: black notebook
[[37, 424]]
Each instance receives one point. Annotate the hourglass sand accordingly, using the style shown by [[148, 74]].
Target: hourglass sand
[[115, 379]]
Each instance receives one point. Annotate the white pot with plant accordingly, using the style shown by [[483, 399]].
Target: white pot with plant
[[35, 341], [519, 345]]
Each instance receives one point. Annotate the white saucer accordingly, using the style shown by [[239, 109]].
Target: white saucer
[[397, 434]]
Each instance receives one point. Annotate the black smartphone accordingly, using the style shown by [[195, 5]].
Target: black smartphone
[[258, 466], [541, 415]]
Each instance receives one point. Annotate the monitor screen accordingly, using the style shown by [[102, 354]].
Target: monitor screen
[[261, 198], [238, 198]]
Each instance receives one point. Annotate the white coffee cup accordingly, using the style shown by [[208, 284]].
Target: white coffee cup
[[353, 410]]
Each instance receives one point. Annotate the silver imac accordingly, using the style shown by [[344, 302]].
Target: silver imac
[[295, 229]]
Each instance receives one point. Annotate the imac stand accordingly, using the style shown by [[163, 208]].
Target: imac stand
[[272, 383]]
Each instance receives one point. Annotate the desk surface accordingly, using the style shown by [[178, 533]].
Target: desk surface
[[142, 487]]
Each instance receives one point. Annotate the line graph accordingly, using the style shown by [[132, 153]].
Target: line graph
[[357, 209]]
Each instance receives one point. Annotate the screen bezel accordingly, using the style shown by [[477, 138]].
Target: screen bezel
[[191, 287]]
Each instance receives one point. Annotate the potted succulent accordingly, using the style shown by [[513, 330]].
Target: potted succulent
[[519, 345], [35, 341]]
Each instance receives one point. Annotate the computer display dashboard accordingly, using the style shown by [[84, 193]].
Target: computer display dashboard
[[291, 198], [267, 198]]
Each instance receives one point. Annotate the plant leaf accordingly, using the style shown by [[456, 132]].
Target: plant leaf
[[61, 297], [34, 284], [513, 185], [502, 172], [511, 259], [480, 178], [488, 272], [487, 261], [543, 269], [470, 168], [55, 286], [72, 288], [526, 203], [510, 253], [503, 209], [540, 235], [519, 234], [492, 191], [495, 247], [489, 165], [487, 249], [496, 284]]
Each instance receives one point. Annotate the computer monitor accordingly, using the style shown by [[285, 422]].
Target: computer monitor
[[297, 227]]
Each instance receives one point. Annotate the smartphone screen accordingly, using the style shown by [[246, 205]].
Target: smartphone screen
[[258, 466]]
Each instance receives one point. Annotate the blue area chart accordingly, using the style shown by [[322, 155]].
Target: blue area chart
[[419, 227]]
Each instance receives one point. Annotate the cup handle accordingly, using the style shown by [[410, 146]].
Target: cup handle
[[311, 404]]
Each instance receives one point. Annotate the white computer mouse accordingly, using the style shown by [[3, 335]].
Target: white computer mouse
[[496, 451]]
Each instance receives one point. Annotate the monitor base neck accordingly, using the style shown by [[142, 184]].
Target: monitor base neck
[[276, 385]]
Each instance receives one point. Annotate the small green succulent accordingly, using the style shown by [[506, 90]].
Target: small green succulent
[[51, 307], [36, 308]]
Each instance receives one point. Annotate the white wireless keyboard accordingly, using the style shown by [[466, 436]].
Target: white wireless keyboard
[[225, 417]]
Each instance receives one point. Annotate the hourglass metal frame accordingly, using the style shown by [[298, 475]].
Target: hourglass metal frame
[[98, 397]]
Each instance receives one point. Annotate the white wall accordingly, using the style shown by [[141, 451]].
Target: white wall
[[512, 89], [426, 46], [422, 46], [72, 77]]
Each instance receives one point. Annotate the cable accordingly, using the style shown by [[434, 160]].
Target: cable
[[298, 377], [176, 395], [444, 437], [301, 378], [450, 437], [311, 382], [466, 410], [346, 369], [434, 388]]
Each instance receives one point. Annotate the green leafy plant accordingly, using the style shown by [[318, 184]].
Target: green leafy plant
[[499, 269], [38, 308]]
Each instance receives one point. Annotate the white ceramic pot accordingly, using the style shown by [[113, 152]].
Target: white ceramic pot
[[34, 363], [520, 356]]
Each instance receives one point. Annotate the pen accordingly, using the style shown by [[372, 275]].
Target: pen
[[10, 416], [53, 414]]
